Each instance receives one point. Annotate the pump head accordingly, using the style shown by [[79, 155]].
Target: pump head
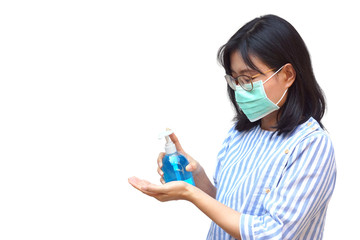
[[169, 146]]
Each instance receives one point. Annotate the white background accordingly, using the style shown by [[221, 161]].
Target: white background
[[85, 87]]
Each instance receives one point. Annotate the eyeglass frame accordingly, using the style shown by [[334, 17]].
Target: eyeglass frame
[[233, 81]]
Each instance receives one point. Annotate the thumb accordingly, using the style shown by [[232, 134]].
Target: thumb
[[175, 140], [191, 167]]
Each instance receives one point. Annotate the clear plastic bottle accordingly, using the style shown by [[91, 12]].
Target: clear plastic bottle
[[174, 163]]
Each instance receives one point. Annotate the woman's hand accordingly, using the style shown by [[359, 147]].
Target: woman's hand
[[176, 190], [225, 217], [193, 165]]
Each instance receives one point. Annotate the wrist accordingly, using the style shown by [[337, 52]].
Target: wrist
[[198, 171], [190, 192]]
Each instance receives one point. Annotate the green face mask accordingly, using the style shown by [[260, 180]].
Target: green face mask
[[255, 104]]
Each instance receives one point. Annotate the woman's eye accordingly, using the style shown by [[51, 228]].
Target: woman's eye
[[245, 79]]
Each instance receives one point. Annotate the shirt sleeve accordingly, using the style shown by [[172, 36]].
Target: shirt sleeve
[[301, 195]]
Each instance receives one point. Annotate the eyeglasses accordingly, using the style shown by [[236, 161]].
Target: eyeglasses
[[246, 82]]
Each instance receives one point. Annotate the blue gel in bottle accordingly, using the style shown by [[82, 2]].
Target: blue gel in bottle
[[174, 168], [174, 164]]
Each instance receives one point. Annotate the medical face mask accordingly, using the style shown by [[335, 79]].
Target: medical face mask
[[255, 104]]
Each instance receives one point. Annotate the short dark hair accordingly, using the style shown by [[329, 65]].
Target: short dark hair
[[276, 42]]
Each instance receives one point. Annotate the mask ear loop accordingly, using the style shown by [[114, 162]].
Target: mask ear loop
[[282, 97], [271, 77], [273, 74]]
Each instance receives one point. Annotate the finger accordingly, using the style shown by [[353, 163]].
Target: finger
[[142, 185], [160, 158], [191, 167], [138, 183], [135, 182], [175, 140], [162, 180], [160, 172]]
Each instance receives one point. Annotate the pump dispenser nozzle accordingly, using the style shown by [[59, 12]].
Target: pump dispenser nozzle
[[169, 146]]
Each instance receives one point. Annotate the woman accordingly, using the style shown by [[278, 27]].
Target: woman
[[276, 169]]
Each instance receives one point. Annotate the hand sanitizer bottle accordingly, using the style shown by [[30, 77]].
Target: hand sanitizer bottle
[[174, 163]]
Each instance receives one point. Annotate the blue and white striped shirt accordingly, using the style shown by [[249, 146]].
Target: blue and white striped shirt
[[281, 185]]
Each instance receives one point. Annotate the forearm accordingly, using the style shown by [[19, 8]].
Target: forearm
[[203, 182], [225, 217]]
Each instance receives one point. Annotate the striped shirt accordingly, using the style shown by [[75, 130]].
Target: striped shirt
[[281, 185]]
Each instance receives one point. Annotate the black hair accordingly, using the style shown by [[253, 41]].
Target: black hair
[[276, 42]]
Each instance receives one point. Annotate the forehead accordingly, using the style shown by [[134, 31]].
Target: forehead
[[238, 64]]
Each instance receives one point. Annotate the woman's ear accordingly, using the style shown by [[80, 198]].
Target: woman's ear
[[289, 74]]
